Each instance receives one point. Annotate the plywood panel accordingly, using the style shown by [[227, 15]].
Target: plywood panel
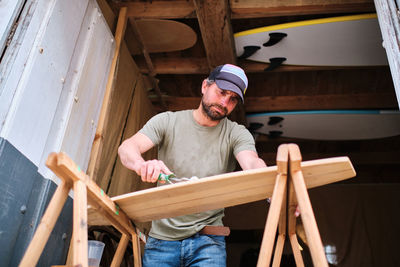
[[126, 79], [124, 180], [224, 190]]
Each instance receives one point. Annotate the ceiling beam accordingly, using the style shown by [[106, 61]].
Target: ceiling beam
[[158, 9], [180, 65], [305, 102], [246, 8], [262, 8], [216, 31], [323, 102]]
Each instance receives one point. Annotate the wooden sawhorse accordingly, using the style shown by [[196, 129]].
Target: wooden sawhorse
[[85, 190], [290, 191], [208, 193]]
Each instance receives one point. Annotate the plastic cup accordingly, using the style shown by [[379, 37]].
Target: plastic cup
[[95, 251]]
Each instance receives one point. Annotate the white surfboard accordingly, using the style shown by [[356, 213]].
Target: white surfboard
[[338, 41], [327, 124]]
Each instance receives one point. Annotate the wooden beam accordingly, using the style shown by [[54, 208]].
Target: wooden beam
[[246, 9], [305, 102], [158, 9], [66, 169], [312, 102], [388, 16], [98, 139], [260, 8], [180, 65], [216, 31]]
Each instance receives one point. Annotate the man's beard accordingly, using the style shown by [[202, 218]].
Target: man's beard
[[213, 115]]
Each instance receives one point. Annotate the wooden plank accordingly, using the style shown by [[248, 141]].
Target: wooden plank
[[198, 65], [127, 78], [64, 167], [119, 254], [79, 225], [320, 102], [98, 140], [307, 214], [260, 8], [136, 250], [216, 31], [124, 180], [299, 102], [296, 250], [388, 16], [246, 9], [291, 220], [271, 225], [158, 9], [278, 199], [224, 190], [176, 65]]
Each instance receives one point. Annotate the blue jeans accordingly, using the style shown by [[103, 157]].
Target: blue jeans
[[198, 250]]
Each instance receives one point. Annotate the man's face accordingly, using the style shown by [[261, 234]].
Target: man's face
[[217, 103]]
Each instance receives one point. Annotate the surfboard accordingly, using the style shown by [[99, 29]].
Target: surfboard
[[338, 41], [161, 35], [327, 124], [222, 190]]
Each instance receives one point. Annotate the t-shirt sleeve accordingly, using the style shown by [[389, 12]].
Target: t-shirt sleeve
[[155, 128], [242, 139]]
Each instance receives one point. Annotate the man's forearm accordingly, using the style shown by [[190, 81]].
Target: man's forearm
[[130, 157]]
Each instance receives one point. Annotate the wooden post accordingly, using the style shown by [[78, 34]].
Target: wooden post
[[136, 250], [281, 236], [307, 214], [98, 139], [271, 225], [119, 254], [80, 234], [46, 225], [292, 205]]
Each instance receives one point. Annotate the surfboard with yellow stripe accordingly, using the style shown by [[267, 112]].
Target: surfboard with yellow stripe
[[338, 41]]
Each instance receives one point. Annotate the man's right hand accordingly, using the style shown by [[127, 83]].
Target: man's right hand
[[151, 169], [130, 153]]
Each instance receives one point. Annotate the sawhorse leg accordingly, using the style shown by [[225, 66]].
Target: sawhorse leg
[[85, 190], [278, 212]]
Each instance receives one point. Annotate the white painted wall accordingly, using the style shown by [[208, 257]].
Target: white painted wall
[[55, 84], [9, 10]]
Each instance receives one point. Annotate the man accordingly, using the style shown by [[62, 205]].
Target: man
[[200, 142]]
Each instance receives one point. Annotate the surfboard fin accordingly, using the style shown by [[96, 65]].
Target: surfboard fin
[[274, 38], [274, 120], [249, 51], [254, 126], [274, 63]]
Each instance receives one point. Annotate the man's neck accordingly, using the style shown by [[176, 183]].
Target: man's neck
[[201, 118]]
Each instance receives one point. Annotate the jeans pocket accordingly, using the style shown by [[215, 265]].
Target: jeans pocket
[[217, 239], [152, 242]]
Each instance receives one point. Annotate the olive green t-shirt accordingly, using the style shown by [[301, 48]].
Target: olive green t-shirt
[[189, 149]]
